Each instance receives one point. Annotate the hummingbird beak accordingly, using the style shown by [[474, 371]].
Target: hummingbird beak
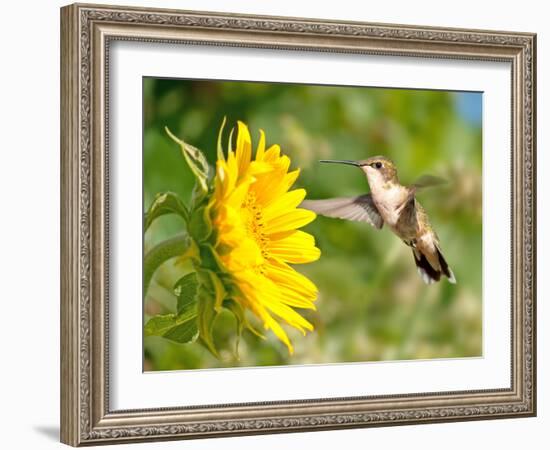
[[340, 161]]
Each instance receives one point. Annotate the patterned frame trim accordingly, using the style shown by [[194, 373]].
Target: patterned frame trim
[[86, 32]]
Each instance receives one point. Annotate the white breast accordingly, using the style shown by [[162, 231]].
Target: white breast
[[393, 198]]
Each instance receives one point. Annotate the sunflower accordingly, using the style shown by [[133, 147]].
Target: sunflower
[[256, 218]]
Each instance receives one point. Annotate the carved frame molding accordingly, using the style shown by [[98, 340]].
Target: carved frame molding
[[86, 33]]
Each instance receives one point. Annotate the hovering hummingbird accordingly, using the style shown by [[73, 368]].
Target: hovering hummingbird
[[394, 204]]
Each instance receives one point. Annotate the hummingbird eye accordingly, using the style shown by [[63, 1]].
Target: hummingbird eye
[[377, 165]]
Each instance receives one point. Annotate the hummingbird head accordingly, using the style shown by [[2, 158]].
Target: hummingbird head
[[379, 170]]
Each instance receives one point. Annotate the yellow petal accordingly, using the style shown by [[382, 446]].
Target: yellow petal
[[272, 324], [283, 204], [260, 151], [290, 316], [292, 298], [244, 147], [298, 248], [270, 187], [272, 153], [290, 178], [284, 275], [259, 167], [269, 323], [290, 221], [232, 171], [238, 195]]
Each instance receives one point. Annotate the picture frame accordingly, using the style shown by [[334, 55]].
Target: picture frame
[[87, 33]]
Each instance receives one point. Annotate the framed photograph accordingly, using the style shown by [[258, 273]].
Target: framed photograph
[[276, 225]]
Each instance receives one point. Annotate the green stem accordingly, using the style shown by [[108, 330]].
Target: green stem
[[161, 253]]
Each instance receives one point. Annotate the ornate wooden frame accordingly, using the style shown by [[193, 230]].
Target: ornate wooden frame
[[86, 32]]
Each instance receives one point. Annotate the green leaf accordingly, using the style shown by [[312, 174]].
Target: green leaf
[[221, 156], [200, 225], [184, 333], [195, 159], [242, 322], [165, 203], [217, 288], [198, 195], [181, 246], [181, 327], [229, 142], [185, 290], [205, 320], [240, 315], [210, 259], [178, 328]]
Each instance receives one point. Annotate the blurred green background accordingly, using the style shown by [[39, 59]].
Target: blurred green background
[[372, 304]]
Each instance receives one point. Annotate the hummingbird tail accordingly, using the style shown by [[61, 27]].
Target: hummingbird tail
[[428, 273], [446, 269]]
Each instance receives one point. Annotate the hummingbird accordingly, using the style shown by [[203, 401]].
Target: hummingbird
[[395, 205]]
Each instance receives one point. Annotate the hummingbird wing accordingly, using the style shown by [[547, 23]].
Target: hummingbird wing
[[425, 181], [407, 219], [360, 208]]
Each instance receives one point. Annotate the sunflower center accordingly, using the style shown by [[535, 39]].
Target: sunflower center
[[255, 224]]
